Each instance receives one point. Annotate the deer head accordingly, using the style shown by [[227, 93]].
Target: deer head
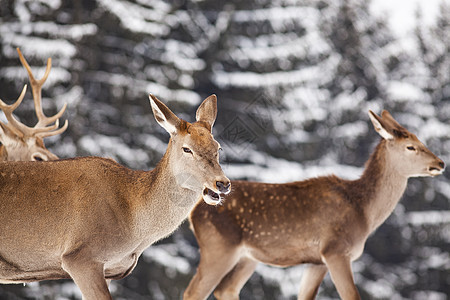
[[409, 156], [194, 151], [20, 142]]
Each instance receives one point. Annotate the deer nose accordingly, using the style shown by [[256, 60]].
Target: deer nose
[[442, 164], [224, 187]]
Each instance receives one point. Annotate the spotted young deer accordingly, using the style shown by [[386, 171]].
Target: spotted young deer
[[20, 142], [90, 218], [323, 221]]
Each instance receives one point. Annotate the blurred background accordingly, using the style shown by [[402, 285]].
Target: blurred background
[[294, 80]]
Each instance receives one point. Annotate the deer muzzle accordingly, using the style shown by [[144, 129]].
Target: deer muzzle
[[213, 196], [437, 168]]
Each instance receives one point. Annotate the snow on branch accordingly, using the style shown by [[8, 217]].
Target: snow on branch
[[73, 32], [420, 218], [145, 87], [137, 18], [281, 78], [37, 47]]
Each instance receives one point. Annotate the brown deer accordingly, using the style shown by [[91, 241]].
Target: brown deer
[[20, 142], [323, 221], [90, 218]]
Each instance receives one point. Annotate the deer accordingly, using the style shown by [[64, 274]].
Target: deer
[[20, 142], [323, 222], [90, 218]]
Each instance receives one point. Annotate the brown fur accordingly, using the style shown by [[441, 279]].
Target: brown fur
[[90, 218], [322, 221]]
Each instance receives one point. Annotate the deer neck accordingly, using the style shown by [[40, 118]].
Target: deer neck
[[381, 187], [165, 204]]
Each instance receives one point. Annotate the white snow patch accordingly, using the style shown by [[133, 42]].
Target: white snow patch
[[145, 87], [273, 14], [74, 32], [288, 279], [137, 18], [401, 14], [419, 218], [102, 145], [429, 295], [38, 47], [351, 130], [56, 76], [403, 91], [381, 288], [284, 78], [168, 257]]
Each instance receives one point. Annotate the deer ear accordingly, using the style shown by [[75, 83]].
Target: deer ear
[[380, 126], [207, 111], [164, 116]]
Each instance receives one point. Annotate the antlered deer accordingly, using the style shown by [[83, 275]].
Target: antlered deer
[[323, 221], [90, 218], [20, 142]]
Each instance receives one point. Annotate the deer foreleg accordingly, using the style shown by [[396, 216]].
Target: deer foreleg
[[232, 283], [341, 274], [311, 279], [212, 268], [88, 276]]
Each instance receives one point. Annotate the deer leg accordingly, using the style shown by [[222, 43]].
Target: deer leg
[[88, 276], [211, 269], [341, 274], [232, 283], [311, 279]]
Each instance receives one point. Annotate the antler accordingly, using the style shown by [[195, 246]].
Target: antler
[[41, 129], [22, 130], [14, 125]]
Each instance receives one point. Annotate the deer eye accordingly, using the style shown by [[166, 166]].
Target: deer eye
[[38, 157], [187, 150], [411, 148]]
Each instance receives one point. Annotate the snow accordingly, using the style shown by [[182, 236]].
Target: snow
[[404, 91], [281, 171], [288, 279], [167, 255], [112, 147], [381, 287], [434, 128], [57, 75], [45, 47], [74, 32], [309, 45], [351, 130], [239, 64], [275, 14], [429, 295], [283, 78], [429, 217], [401, 13], [138, 19], [146, 87]]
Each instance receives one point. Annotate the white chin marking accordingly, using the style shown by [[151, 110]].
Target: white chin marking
[[435, 172], [209, 200]]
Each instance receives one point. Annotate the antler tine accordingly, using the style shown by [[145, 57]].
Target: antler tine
[[52, 119], [36, 87], [52, 132], [14, 125]]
